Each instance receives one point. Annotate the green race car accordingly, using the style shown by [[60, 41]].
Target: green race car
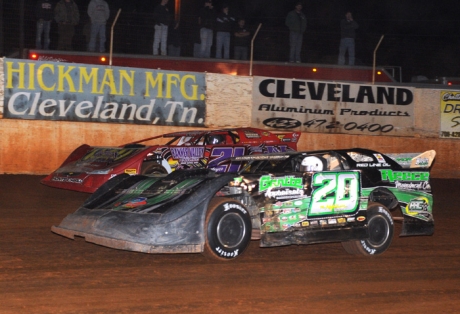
[[353, 196]]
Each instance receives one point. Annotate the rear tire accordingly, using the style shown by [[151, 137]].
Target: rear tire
[[152, 168], [380, 226], [228, 229]]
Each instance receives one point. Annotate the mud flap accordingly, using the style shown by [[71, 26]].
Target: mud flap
[[414, 227]]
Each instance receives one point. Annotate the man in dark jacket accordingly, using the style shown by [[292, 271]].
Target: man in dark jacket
[[206, 20], [44, 14], [67, 16], [162, 20], [241, 42], [347, 41], [296, 21]]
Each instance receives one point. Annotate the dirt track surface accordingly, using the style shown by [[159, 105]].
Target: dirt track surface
[[41, 272]]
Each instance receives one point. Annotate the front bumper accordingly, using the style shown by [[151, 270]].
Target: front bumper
[[145, 233]]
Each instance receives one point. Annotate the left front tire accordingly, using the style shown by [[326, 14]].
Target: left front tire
[[228, 229]]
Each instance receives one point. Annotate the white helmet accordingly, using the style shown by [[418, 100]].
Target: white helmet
[[311, 163]]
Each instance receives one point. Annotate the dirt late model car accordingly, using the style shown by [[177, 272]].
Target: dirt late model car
[[351, 196], [87, 168]]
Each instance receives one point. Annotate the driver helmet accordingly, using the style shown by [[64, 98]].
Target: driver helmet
[[216, 139], [311, 163]]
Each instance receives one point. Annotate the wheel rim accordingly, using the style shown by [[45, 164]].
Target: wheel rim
[[231, 230], [379, 231]]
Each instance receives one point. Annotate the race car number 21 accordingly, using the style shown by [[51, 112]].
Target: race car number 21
[[334, 193]]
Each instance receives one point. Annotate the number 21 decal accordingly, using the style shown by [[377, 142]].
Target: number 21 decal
[[334, 193]]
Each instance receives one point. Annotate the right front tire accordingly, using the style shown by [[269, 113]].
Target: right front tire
[[228, 229]]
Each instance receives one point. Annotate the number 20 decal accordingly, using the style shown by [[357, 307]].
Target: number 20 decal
[[335, 193]]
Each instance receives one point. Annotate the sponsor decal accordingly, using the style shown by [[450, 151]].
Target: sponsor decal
[[283, 194], [266, 182], [315, 106], [372, 165], [379, 158], [392, 176], [450, 115], [418, 208], [367, 248], [422, 161], [59, 91], [139, 201], [251, 134], [341, 220], [323, 222], [424, 185], [305, 224], [360, 218], [228, 206], [131, 171], [67, 179], [351, 219], [332, 221], [223, 253], [187, 154], [386, 213]]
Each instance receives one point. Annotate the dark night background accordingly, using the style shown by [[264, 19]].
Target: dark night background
[[420, 37]]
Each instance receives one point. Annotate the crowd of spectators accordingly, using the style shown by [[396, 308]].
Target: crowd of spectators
[[218, 29]]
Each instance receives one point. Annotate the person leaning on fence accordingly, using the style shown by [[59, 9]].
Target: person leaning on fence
[[162, 19], [99, 12], [67, 16], [44, 13], [206, 19], [347, 39], [296, 21]]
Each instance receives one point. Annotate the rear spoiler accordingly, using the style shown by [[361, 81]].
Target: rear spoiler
[[414, 160]]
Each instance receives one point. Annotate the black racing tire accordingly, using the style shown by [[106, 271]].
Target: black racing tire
[[152, 167], [381, 228], [228, 229]]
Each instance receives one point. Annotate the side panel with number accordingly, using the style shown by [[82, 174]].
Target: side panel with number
[[334, 193], [220, 154]]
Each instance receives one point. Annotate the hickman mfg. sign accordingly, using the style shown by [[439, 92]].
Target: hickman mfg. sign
[[74, 92], [315, 106]]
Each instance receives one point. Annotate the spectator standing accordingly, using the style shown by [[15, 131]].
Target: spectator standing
[[347, 39], [44, 13], [174, 40], [224, 24], [206, 19], [241, 42], [99, 13], [67, 16], [162, 20], [296, 21]]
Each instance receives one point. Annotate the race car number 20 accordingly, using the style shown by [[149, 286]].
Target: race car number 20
[[334, 193]]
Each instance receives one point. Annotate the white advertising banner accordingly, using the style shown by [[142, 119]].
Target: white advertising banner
[[450, 114], [333, 107]]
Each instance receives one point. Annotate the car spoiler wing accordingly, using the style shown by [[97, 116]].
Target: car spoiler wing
[[414, 160]]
